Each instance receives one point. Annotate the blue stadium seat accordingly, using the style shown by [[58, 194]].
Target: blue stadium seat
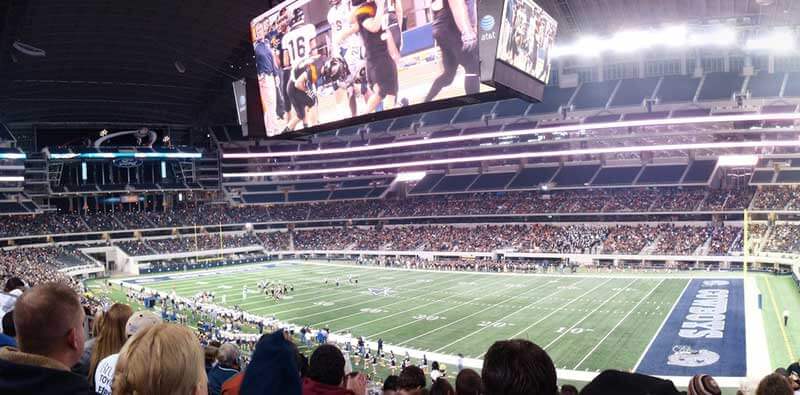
[[522, 125], [308, 196], [427, 183], [359, 193], [700, 171], [377, 192], [11, 208], [305, 186], [677, 88], [602, 118], [404, 123], [441, 117], [632, 92], [762, 176], [661, 174], [765, 84], [531, 177], [380, 126], [788, 176], [792, 85], [511, 108], [593, 94], [455, 183], [348, 131], [261, 188], [264, 198], [445, 133], [616, 175], [691, 112], [554, 97], [778, 108], [575, 175], [720, 86], [641, 116], [473, 112], [491, 181]]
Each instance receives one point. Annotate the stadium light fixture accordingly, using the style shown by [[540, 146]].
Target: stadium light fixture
[[116, 155], [10, 155], [737, 160], [12, 178], [524, 155], [410, 176], [524, 132]]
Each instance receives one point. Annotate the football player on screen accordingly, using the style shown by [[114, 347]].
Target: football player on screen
[[381, 69], [454, 29], [348, 49], [302, 93], [268, 76]]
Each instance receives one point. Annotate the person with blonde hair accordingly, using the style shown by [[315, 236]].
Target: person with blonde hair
[[162, 359], [110, 335]]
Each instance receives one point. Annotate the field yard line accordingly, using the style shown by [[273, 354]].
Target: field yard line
[[372, 300], [778, 318], [467, 316], [500, 319], [660, 327], [588, 315], [416, 307], [548, 315], [596, 346]]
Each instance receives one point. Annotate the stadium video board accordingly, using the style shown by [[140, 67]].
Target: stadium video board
[[324, 64], [527, 35]]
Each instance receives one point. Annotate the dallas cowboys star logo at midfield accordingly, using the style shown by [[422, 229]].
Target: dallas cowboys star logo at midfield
[[380, 291], [688, 357]]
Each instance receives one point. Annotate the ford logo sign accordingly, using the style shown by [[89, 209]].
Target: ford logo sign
[[127, 163], [487, 23]]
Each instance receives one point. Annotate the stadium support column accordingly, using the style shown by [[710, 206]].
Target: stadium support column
[[746, 241]]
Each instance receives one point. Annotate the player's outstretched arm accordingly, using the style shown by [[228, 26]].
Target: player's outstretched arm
[[461, 17]]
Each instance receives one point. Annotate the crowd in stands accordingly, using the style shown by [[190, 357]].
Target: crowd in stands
[[186, 243], [506, 203], [46, 351], [784, 238]]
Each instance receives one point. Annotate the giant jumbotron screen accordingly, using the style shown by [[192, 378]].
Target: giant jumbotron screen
[[327, 62]]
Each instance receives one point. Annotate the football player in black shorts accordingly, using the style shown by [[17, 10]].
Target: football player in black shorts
[[301, 92], [455, 34], [381, 69]]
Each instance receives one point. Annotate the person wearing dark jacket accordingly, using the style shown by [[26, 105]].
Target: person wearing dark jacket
[[273, 367], [49, 323], [227, 366]]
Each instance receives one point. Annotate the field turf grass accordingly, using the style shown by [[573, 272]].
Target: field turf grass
[[584, 323]]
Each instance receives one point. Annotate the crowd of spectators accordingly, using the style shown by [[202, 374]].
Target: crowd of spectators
[[506, 203], [784, 238]]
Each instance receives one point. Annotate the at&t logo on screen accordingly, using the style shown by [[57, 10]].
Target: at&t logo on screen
[[487, 23]]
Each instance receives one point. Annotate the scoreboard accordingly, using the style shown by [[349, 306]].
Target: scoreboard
[[325, 64]]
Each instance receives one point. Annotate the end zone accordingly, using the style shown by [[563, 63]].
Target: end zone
[[704, 333]]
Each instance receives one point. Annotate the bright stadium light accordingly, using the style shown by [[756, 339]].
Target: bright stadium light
[[410, 176], [778, 41], [737, 160], [717, 36], [788, 116], [525, 155], [12, 178]]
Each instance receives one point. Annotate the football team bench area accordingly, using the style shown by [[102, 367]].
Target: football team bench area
[[664, 324]]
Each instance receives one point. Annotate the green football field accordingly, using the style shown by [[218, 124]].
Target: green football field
[[584, 322]]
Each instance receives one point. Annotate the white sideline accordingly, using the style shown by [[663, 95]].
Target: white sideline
[[758, 362]]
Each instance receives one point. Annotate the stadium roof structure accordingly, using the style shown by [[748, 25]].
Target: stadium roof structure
[[119, 61], [581, 17]]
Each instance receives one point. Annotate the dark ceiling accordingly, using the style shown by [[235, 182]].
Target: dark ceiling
[[112, 61]]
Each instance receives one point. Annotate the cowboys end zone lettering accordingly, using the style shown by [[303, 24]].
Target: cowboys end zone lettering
[[705, 333]]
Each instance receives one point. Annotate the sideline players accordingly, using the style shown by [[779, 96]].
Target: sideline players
[[268, 75], [381, 69], [454, 31], [301, 78]]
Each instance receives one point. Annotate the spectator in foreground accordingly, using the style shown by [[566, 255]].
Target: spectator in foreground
[[703, 384], [568, 389], [468, 382], [411, 381], [273, 367], [110, 337], [104, 374], [441, 387], [774, 384], [210, 355], [162, 359], [624, 383], [9, 333], [49, 323], [227, 366], [390, 385], [326, 374], [518, 367]]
